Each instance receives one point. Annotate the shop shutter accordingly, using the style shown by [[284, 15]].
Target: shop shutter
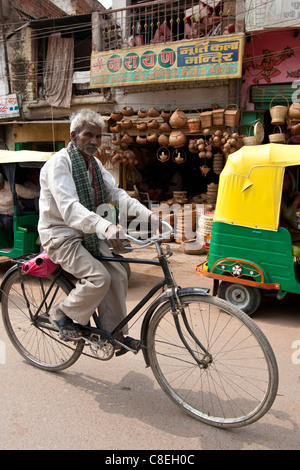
[[262, 95]]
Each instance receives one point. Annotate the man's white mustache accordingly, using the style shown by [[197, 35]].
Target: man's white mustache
[[92, 148]]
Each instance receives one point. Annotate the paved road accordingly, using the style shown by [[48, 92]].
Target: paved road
[[117, 405]]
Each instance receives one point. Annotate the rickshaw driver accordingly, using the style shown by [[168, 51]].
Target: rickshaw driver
[[74, 185]]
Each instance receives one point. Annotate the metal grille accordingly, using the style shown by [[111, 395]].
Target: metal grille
[[166, 20]]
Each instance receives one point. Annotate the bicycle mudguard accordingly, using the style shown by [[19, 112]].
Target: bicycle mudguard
[[164, 298]]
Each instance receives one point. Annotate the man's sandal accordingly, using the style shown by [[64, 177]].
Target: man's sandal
[[66, 328], [133, 344]]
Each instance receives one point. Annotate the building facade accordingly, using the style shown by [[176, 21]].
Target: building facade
[[200, 58]]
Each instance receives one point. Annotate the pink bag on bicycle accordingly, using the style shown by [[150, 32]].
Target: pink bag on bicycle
[[40, 266]]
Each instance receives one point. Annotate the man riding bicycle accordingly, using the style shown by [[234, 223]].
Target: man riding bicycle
[[74, 228]]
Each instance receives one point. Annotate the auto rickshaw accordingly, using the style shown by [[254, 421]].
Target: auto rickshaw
[[24, 238], [250, 252]]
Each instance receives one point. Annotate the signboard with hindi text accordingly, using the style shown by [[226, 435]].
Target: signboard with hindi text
[[199, 59], [9, 106]]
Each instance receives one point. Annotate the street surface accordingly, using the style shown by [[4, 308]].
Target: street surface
[[117, 405]]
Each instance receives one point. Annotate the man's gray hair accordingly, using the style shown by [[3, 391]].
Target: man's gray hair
[[84, 117]]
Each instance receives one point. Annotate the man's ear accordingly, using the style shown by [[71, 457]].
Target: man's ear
[[73, 135]]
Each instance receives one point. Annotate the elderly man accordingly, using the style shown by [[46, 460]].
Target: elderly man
[[73, 228]]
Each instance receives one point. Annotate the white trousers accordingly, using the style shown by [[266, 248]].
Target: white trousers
[[101, 285]]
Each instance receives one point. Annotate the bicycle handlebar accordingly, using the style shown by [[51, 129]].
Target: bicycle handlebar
[[151, 240]]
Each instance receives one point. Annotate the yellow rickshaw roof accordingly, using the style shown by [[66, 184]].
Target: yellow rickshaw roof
[[23, 156], [247, 157], [250, 185]]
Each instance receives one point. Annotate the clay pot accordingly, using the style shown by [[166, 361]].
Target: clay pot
[[115, 129], [142, 113], [153, 124], [152, 112], [127, 111], [116, 141], [116, 115], [295, 130], [141, 140], [163, 140], [178, 119], [177, 139], [141, 126], [166, 114], [126, 124], [152, 137], [164, 127], [127, 139], [294, 111]]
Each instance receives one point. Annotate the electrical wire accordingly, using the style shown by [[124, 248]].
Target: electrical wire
[[88, 27]]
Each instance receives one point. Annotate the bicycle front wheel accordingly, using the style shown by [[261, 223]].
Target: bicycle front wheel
[[31, 333], [216, 363]]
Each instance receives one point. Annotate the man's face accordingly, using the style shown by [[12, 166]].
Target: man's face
[[87, 140]]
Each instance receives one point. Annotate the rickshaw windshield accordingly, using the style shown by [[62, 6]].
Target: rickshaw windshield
[[250, 185]]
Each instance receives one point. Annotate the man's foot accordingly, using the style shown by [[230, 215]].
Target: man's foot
[[133, 344], [66, 327]]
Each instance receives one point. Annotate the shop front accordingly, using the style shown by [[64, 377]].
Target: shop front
[[172, 149], [270, 90]]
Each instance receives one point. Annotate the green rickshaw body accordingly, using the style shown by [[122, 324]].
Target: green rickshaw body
[[24, 239], [248, 247], [262, 256]]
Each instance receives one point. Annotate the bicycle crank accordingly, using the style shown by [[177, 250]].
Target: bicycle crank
[[100, 346]]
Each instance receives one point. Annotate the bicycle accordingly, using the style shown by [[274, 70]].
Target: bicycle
[[208, 356]]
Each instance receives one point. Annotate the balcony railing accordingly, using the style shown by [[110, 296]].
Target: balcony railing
[[162, 21]]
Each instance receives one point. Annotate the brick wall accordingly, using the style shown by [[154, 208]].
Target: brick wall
[[36, 9]]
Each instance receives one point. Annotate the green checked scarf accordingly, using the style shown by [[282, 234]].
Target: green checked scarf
[[84, 191]]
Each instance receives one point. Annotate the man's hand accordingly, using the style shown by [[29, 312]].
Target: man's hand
[[115, 235], [156, 224]]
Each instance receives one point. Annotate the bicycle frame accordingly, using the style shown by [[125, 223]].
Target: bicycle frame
[[172, 294]]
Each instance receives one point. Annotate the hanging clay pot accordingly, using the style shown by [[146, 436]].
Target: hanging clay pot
[[127, 139], [127, 111], [142, 113], [177, 139], [141, 140], [178, 119], [164, 127], [295, 130], [163, 140], [116, 128], [141, 126], [126, 124], [152, 137], [116, 115], [294, 111], [153, 124], [152, 112], [116, 140], [166, 114]]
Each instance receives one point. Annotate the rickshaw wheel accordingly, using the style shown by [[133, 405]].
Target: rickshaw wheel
[[244, 297]]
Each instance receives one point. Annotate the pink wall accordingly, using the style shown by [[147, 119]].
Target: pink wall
[[270, 57]]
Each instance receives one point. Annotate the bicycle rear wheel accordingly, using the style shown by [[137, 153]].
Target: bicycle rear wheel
[[234, 383], [35, 339]]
